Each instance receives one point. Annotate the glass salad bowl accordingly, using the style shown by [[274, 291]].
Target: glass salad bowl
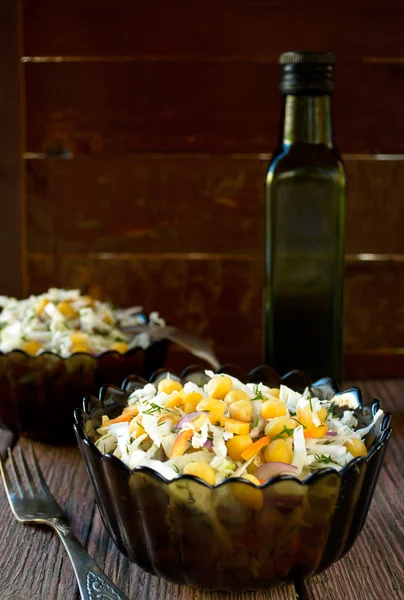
[[235, 535]]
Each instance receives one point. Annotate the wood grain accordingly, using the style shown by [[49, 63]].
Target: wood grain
[[373, 569], [12, 238], [34, 563], [201, 106], [186, 203], [208, 28], [219, 298]]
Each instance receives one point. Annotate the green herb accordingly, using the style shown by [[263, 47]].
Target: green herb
[[285, 431], [254, 423], [154, 408], [201, 384], [330, 411], [297, 421], [176, 468], [258, 394], [292, 413], [327, 443], [217, 423], [311, 406], [326, 460]]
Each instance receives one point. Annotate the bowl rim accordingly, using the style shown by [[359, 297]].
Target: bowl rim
[[94, 356], [385, 432]]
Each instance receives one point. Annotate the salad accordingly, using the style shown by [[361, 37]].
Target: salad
[[229, 429], [65, 322]]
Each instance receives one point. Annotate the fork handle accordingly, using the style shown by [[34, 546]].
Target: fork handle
[[92, 582]]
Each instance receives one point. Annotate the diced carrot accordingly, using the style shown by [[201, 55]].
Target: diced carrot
[[255, 448], [180, 444]]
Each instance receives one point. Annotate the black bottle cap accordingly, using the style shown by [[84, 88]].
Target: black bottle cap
[[306, 73]]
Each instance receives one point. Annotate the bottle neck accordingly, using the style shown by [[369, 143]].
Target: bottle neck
[[307, 119]]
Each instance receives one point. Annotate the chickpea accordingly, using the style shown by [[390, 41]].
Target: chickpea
[[278, 451], [201, 469], [215, 408], [168, 386], [190, 401], [270, 410], [219, 386], [234, 396], [241, 410], [66, 310], [236, 446]]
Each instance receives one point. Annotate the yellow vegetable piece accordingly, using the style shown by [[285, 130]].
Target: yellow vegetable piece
[[270, 410], [135, 429], [79, 348], [274, 392], [107, 319], [237, 445], [250, 497], [241, 410], [322, 414], [78, 337], [356, 447], [31, 347], [173, 400], [252, 478], [277, 425], [190, 401], [168, 386], [316, 432], [215, 408], [180, 444], [200, 469], [40, 307], [66, 309], [219, 386], [234, 396], [278, 451], [121, 347], [233, 426]]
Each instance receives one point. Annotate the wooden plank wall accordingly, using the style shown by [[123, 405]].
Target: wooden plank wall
[[149, 127]]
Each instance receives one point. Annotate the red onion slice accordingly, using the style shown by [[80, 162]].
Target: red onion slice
[[331, 434], [188, 418], [208, 444], [272, 469]]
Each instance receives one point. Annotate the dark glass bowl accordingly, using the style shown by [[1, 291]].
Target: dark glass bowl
[[40, 393], [233, 536]]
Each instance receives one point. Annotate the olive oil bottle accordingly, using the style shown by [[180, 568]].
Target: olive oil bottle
[[305, 225]]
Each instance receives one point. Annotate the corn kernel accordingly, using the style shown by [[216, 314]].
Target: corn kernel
[[79, 337], [278, 451], [241, 410], [190, 401], [270, 410], [236, 446], [201, 469], [219, 386], [121, 347], [66, 310], [356, 447], [234, 396], [31, 347], [168, 386]]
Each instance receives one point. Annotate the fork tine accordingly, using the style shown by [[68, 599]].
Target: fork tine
[[6, 479], [26, 471], [42, 481], [16, 472]]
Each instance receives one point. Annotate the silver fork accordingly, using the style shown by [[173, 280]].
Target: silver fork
[[37, 505]]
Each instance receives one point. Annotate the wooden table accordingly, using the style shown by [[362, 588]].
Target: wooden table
[[34, 565]]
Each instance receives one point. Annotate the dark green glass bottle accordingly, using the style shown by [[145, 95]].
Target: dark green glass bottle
[[305, 225]]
